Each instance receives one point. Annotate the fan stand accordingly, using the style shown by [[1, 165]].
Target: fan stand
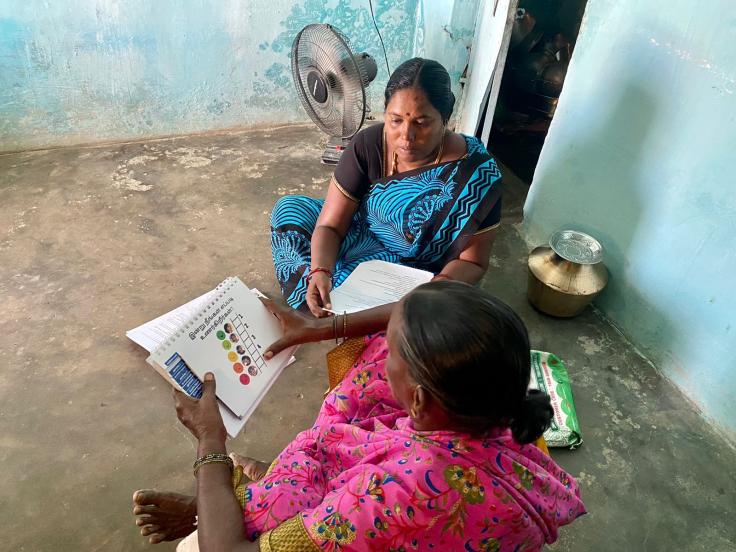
[[334, 149], [336, 145]]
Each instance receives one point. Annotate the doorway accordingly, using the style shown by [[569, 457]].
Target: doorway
[[541, 43]]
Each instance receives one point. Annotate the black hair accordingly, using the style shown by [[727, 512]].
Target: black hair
[[430, 77], [471, 351]]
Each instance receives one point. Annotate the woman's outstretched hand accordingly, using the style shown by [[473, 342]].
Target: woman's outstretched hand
[[296, 326], [318, 294], [201, 417]]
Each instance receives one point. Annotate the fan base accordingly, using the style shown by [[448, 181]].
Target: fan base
[[334, 149]]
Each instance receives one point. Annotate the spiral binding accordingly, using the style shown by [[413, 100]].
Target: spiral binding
[[220, 292]]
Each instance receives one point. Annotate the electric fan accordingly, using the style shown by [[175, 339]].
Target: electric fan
[[331, 83]]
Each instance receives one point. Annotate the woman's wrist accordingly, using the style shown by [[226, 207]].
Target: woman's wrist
[[211, 443], [319, 270], [321, 329], [323, 266]]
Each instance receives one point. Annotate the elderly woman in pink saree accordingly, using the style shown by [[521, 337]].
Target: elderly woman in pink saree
[[425, 445]]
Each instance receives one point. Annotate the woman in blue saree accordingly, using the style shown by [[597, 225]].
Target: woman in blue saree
[[408, 191]]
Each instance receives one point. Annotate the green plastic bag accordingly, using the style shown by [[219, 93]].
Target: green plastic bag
[[550, 376]]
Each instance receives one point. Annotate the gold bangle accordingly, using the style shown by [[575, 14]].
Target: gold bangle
[[213, 458]]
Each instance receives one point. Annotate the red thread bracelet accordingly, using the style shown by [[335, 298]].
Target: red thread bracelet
[[314, 271]]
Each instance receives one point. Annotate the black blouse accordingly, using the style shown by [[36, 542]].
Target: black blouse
[[361, 164]]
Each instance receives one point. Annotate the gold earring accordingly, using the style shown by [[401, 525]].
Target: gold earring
[[412, 410]]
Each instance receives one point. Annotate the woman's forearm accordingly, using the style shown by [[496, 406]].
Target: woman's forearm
[[376, 319], [356, 324], [325, 246], [220, 517], [365, 322], [463, 271]]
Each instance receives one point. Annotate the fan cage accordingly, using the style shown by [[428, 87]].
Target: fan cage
[[326, 50]]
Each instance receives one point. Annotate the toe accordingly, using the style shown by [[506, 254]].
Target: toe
[[140, 521], [156, 538], [144, 496], [149, 530], [144, 519], [145, 509]]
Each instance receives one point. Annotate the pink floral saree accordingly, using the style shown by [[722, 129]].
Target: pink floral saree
[[362, 479]]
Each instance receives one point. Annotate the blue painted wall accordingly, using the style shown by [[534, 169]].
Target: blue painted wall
[[640, 154], [445, 32], [95, 70]]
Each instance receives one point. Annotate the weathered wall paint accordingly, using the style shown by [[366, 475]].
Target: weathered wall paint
[[444, 31], [640, 154], [94, 70], [107, 69]]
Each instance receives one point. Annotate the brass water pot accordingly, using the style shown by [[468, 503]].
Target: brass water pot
[[566, 276]]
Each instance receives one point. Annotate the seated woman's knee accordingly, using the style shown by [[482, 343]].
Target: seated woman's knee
[[295, 210]]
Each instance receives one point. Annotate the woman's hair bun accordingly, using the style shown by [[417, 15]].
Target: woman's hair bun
[[534, 416]]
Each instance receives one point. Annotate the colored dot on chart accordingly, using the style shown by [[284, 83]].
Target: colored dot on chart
[[226, 345], [232, 356], [237, 367], [244, 379], [220, 335]]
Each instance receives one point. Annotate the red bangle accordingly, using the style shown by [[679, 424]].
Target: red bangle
[[442, 275], [319, 269]]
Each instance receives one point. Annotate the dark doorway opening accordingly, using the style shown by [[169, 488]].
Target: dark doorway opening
[[542, 42]]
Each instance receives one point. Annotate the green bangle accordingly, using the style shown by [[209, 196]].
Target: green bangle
[[213, 458]]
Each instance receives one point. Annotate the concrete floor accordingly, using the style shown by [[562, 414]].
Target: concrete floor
[[97, 240]]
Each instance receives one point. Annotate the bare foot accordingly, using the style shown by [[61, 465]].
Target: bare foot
[[253, 469], [164, 516]]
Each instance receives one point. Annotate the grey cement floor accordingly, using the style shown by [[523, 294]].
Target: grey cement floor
[[97, 240]]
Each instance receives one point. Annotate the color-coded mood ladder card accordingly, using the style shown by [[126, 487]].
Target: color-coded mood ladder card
[[227, 336]]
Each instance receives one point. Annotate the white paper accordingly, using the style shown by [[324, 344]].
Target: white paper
[[233, 424], [154, 332], [376, 283], [204, 346], [257, 293]]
